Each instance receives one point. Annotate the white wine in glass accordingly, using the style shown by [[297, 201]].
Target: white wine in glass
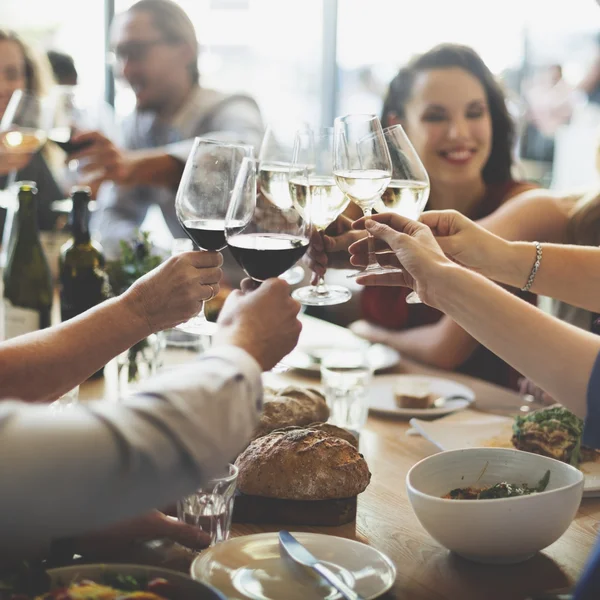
[[319, 200], [362, 167]]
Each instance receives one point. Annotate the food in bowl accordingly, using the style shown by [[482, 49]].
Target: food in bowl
[[122, 588], [553, 431], [497, 490], [499, 530]]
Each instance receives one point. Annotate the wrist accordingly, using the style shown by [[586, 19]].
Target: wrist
[[132, 304], [441, 282], [515, 266]]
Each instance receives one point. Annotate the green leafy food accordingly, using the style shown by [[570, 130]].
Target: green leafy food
[[499, 490]]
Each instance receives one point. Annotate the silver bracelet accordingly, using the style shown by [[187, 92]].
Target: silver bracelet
[[535, 268]]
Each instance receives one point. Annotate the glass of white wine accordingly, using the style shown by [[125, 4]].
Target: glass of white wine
[[408, 191], [274, 161], [316, 196], [362, 167]]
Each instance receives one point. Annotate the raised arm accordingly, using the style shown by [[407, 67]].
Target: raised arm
[[43, 365], [555, 355], [77, 470]]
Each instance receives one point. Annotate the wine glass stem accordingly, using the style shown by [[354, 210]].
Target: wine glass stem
[[373, 264], [321, 288]]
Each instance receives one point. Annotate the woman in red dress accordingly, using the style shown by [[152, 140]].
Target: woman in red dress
[[455, 115]]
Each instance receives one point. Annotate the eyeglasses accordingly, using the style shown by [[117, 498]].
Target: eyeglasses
[[133, 51]]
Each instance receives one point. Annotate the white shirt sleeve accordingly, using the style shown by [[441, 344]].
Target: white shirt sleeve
[[68, 472]]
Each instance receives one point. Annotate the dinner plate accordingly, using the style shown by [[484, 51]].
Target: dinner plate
[[308, 358], [252, 567], [471, 429], [187, 588], [381, 395]]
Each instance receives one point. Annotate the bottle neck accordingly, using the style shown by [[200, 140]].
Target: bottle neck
[[27, 219], [79, 221]]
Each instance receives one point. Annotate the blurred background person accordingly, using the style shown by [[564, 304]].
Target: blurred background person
[[156, 52], [22, 69]]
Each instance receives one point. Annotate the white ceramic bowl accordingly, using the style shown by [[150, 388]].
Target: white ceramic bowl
[[505, 530]]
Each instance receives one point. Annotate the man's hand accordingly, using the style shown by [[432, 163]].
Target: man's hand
[[331, 251], [174, 291], [263, 322], [151, 526]]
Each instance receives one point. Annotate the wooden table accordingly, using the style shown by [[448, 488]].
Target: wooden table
[[426, 571]]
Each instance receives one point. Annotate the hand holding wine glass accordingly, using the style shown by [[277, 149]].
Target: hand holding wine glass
[[318, 199], [202, 202], [361, 164]]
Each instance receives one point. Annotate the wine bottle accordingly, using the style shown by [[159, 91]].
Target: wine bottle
[[28, 286], [82, 266]]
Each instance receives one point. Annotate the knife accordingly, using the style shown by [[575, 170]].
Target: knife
[[298, 553]]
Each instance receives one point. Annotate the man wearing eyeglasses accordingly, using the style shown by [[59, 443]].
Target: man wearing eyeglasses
[[154, 48]]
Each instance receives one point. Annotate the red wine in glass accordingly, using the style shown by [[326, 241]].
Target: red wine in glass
[[207, 234], [61, 136], [266, 255]]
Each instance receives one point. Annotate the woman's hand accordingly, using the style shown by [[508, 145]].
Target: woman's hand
[[331, 251], [467, 243], [173, 292], [401, 243], [11, 161]]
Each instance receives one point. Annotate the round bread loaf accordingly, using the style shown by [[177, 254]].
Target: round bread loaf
[[328, 429], [291, 406], [302, 464]]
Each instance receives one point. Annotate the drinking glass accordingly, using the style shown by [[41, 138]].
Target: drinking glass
[[346, 376], [24, 126], [362, 167], [408, 191], [274, 161], [202, 201], [316, 196], [265, 240], [211, 506]]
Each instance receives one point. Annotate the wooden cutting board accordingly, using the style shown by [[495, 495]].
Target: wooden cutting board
[[256, 509]]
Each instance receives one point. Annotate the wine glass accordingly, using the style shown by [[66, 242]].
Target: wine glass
[[202, 201], [273, 171], [408, 191], [264, 239], [362, 167], [316, 196]]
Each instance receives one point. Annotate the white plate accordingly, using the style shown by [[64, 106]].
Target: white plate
[[252, 567], [308, 358], [381, 395], [470, 429], [188, 588]]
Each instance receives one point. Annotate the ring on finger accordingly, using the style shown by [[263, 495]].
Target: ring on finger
[[212, 292]]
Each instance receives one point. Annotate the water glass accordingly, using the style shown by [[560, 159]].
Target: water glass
[[345, 376], [211, 507]]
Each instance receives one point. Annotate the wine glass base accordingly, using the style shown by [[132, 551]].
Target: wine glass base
[[198, 327], [333, 294], [293, 275]]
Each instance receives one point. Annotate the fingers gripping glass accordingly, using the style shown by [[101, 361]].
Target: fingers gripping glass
[[362, 167], [273, 171], [201, 204], [408, 190], [319, 200]]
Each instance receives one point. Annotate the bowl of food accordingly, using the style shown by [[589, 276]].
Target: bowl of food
[[106, 582], [494, 505]]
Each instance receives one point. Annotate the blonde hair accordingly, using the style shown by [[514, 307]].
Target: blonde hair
[[38, 72]]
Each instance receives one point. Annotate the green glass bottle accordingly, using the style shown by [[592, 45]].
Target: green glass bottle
[[83, 277], [28, 287]]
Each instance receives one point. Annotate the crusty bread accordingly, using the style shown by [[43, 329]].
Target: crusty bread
[[302, 464], [291, 406], [328, 429]]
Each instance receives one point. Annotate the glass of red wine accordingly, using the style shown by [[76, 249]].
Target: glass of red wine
[[265, 239], [202, 201]]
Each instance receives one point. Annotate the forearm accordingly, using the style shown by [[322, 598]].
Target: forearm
[[556, 356], [153, 167], [79, 470], [434, 344], [567, 273], [43, 365]]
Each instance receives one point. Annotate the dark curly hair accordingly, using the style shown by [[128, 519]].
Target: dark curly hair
[[445, 56]]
